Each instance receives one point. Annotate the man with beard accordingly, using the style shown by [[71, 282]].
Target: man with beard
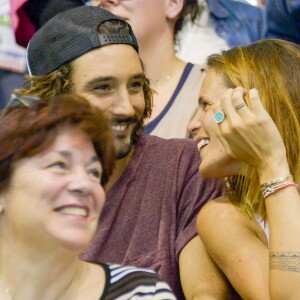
[[155, 191]]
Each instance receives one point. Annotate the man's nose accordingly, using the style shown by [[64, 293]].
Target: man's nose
[[122, 105]]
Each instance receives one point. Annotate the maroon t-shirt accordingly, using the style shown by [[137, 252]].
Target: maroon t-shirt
[[150, 213]]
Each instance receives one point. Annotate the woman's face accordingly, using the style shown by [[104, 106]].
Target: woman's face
[[216, 163], [55, 197]]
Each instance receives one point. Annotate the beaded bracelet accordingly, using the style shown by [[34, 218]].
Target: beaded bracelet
[[283, 178], [277, 184], [278, 187]]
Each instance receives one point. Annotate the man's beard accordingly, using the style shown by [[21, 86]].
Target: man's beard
[[123, 149]]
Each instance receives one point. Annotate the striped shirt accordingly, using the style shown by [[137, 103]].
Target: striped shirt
[[127, 282]]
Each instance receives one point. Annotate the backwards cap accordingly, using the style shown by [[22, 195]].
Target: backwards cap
[[70, 34]]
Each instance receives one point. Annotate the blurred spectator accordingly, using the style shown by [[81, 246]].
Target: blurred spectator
[[12, 56], [283, 20], [223, 24]]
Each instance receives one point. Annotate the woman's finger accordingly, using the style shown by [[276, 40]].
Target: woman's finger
[[226, 103], [255, 102], [239, 103]]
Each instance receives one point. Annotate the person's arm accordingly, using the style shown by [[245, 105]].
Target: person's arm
[[200, 277], [251, 136], [238, 246], [283, 209], [196, 269]]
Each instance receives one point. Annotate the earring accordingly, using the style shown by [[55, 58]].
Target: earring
[[172, 14]]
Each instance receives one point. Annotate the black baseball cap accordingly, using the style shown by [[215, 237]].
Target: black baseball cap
[[70, 34]]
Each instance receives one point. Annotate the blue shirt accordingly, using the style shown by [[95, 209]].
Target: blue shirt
[[237, 22], [283, 20]]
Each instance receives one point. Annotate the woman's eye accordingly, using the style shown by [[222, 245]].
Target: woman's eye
[[58, 165], [204, 105], [96, 173]]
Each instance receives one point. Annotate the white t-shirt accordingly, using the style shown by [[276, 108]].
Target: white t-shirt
[[197, 41]]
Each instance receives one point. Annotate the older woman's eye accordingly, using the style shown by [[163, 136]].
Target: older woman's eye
[[95, 173], [58, 165]]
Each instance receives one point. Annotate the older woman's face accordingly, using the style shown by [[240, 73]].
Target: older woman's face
[[55, 196]]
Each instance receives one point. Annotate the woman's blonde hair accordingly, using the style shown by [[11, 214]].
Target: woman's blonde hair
[[273, 68]]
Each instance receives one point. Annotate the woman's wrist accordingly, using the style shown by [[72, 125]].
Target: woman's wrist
[[272, 170]]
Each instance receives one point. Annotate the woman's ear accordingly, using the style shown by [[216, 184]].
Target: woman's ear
[[174, 8]]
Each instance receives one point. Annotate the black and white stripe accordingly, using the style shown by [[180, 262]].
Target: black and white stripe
[[127, 282]]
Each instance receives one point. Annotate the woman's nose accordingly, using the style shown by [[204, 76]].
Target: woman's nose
[[80, 183], [195, 123]]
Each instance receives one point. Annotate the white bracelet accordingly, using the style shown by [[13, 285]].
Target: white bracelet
[[283, 178]]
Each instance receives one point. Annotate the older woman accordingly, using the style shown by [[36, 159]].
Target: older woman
[[55, 156], [248, 132]]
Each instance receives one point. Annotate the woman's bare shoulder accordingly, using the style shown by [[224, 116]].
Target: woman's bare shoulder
[[220, 215]]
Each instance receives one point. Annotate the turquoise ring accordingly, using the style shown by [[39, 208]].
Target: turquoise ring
[[219, 117]]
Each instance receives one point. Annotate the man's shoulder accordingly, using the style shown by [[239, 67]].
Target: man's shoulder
[[166, 153], [150, 141]]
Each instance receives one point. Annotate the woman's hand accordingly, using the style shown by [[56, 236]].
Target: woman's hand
[[248, 133]]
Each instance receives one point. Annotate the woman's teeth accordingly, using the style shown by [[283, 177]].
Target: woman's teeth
[[202, 143], [75, 211]]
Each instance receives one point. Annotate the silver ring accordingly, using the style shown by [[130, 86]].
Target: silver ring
[[239, 106], [219, 117]]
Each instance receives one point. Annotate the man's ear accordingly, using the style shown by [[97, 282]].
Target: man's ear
[[174, 8]]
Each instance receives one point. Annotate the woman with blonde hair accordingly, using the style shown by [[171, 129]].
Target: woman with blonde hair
[[248, 132]]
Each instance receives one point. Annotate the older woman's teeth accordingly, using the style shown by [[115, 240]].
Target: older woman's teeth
[[118, 127], [75, 211], [202, 144]]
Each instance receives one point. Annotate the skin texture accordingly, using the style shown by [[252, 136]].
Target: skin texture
[[200, 276], [65, 174]]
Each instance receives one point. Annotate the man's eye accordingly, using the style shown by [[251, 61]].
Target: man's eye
[[104, 88], [136, 85]]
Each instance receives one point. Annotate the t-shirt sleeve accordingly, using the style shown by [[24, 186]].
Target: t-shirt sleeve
[[163, 291], [193, 192]]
